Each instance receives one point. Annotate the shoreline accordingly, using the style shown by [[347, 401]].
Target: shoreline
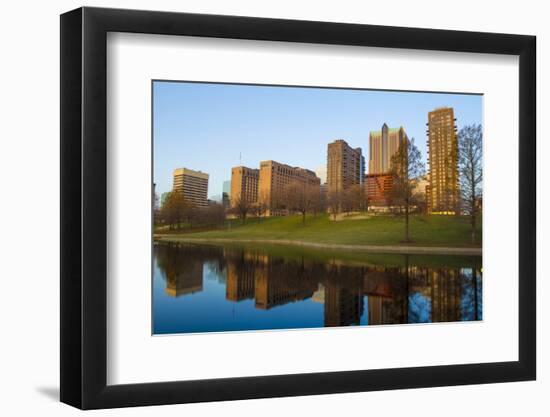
[[400, 249]]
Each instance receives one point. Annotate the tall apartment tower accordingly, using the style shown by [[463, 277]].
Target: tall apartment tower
[[244, 185], [383, 144], [276, 177], [345, 166], [193, 185], [443, 188]]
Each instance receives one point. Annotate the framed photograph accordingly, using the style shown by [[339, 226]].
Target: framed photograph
[[259, 208]]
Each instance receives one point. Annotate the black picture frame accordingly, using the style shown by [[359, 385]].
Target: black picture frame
[[84, 207]]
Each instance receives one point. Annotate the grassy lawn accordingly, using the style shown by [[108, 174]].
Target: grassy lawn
[[377, 230]]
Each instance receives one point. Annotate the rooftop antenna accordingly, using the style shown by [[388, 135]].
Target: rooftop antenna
[[240, 158]]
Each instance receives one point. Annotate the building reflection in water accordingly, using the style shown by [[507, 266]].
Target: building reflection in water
[[182, 276], [407, 293]]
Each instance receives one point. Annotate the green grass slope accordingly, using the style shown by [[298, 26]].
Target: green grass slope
[[447, 231]]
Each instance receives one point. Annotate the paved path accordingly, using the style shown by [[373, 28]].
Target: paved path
[[411, 250]]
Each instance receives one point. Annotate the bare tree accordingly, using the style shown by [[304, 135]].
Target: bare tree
[[420, 202], [334, 201], [347, 200], [358, 197], [407, 168], [242, 207], [470, 160], [319, 203], [213, 215], [301, 198]]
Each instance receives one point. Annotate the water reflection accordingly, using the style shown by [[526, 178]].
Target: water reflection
[[201, 288]]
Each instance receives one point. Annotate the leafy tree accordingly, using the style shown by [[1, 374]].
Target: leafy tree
[[406, 168], [175, 209], [470, 167]]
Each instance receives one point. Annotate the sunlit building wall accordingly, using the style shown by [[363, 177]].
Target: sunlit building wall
[[345, 166], [193, 185], [244, 185], [443, 186], [275, 178]]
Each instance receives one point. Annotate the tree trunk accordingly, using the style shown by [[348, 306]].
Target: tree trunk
[[303, 217]]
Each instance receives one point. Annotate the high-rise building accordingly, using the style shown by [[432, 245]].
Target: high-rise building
[[345, 166], [244, 185], [443, 188], [193, 185], [275, 178], [383, 144]]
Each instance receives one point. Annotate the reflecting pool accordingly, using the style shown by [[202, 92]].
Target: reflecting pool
[[210, 288]]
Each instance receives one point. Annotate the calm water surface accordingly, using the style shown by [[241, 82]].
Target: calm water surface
[[207, 288]]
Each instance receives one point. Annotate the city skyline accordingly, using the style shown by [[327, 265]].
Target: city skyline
[[215, 127]]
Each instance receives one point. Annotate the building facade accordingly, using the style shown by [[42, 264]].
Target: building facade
[[383, 144], [193, 185], [244, 185], [377, 187], [345, 166], [443, 187], [275, 178]]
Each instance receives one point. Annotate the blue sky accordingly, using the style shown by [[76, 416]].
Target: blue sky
[[213, 127]]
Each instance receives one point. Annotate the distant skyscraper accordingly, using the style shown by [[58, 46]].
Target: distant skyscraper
[[193, 185], [244, 185], [383, 144], [345, 166], [442, 189]]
